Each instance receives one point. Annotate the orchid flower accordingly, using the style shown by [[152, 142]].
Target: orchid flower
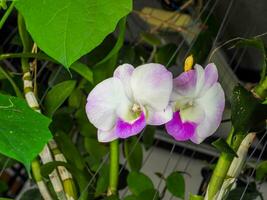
[[198, 103], [121, 106]]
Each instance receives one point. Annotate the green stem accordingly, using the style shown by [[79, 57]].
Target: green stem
[[261, 89], [15, 87], [26, 42], [39, 56], [114, 167], [6, 15], [223, 165]]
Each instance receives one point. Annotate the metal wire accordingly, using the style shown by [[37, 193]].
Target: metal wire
[[252, 173], [164, 170]]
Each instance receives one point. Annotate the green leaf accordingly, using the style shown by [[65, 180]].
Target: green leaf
[[131, 197], [95, 149], [119, 43], [223, 146], [258, 44], [67, 29], [23, 132], [57, 95], [31, 194], [261, 170], [139, 182], [149, 194], [175, 184], [133, 153], [247, 111], [148, 136], [196, 197], [102, 181], [76, 98], [83, 70]]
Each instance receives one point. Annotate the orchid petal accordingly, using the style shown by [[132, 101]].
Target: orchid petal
[[189, 84], [181, 131], [124, 129], [213, 105], [106, 136], [193, 113], [152, 85], [103, 101], [211, 76], [159, 117], [124, 73]]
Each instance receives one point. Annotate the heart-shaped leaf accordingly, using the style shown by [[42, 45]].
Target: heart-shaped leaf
[[139, 182], [67, 29], [175, 184], [23, 132]]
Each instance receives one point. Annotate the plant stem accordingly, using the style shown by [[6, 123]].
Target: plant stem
[[6, 15], [222, 166], [36, 170], [39, 56], [236, 166], [15, 87], [114, 168], [261, 89], [45, 155], [65, 175]]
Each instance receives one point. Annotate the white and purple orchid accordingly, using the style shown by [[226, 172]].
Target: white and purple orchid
[[123, 105], [198, 102]]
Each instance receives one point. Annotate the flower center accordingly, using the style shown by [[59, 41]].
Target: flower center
[[184, 105], [136, 108]]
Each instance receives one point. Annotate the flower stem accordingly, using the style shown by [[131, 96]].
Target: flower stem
[[114, 167]]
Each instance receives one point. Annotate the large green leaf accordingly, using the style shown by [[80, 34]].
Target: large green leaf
[[247, 111], [57, 95], [23, 132], [67, 29], [175, 184], [139, 182], [134, 153]]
